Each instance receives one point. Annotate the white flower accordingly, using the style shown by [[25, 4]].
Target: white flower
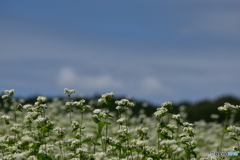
[[99, 155], [59, 130], [97, 111], [68, 91], [106, 98], [121, 120], [58, 156], [32, 158], [166, 104], [141, 143], [186, 124], [27, 106], [176, 116], [160, 113], [214, 116], [123, 131], [79, 103], [89, 136], [27, 139], [6, 118], [69, 104], [168, 142], [42, 99], [10, 92], [81, 150], [5, 96]]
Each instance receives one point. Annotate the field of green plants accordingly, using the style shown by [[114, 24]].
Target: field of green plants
[[80, 130]]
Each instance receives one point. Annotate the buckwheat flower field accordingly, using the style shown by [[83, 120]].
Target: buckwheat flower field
[[80, 130]]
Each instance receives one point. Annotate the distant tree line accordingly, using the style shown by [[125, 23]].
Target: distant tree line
[[196, 111]]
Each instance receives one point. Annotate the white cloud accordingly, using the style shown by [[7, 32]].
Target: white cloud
[[151, 85], [67, 77]]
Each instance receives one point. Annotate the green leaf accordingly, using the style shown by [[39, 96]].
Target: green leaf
[[86, 140], [179, 122], [75, 129], [193, 153], [100, 126], [96, 120], [96, 143], [226, 131], [109, 116], [234, 138]]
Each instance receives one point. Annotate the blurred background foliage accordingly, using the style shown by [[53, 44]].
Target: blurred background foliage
[[200, 110]]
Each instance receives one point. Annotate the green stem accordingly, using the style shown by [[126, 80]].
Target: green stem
[[81, 128], [61, 152], [15, 117], [168, 118], [106, 137], [2, 152], [6, 131], [14, 110], [102, 142], [225, 126], [70, 110], [238, 145], [177, 132]]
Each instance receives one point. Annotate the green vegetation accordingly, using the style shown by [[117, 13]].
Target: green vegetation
[[73, 128]]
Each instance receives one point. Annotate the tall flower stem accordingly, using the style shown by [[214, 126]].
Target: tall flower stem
[[70, 109], [225, 126], [81, 128]]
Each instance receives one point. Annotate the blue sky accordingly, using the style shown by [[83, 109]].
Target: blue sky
[[151, 50]]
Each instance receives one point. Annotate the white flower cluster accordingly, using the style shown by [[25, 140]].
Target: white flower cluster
[[139, 143], [110, 140], [121, 120], [160, 112], [79, 104], [42, 99], [189, 130], [9, 93], [226, 108], [150, 150], [43, 122], [123, 131], [16, 128], [168, 142], [186, 124], [214, 116], [75, 125], [100, 156], [189, 141], [81, 150], [98, 114], [123, 105], [164, 110], [172, 126], [106, 98], [166, 104], [46, 149], [142, 132], [6, 118], [40, 104], [176, 116], [60, 131], [69, 91], [234, 131]]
